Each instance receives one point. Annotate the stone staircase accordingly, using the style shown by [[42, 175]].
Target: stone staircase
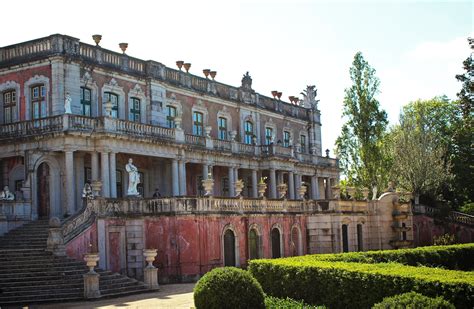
[[29, 274]]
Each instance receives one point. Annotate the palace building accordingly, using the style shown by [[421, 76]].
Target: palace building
[[240, 175]]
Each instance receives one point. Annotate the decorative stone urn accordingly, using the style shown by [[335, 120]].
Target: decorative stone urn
[[208, 185], [302, 191], [336, 192], [239, 186], [91, 260], [365, 193], [108, 108], [150, 255], [233, 135], [282, 188], [123, 47], [96, 187], [262, 187], [177, 122], [351, 191], [97, 38], [207, 131]]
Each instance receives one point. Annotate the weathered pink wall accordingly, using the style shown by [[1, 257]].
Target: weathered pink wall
[[80, 245], [425, 228]]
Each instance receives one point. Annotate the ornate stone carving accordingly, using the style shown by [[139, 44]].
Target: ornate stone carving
[[309, 97], [247, 81], [133, 178], [6, 194]]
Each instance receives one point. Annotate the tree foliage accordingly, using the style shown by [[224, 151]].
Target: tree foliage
[[360, 147], [419, 146]]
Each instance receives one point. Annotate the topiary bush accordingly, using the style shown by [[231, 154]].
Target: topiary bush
[[228, 287], [413, 300]]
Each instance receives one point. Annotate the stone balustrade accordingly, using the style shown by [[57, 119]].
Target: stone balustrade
[[195, 140], [16, 210], [454, 216], [353, 206]]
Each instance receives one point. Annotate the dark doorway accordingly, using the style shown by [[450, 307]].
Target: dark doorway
[[43, 182], [345, 239], [360, 241], [253, 244], [229, 248], [276, 253]]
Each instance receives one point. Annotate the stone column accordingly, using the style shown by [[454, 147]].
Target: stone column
[[314, 187], [231, 182], [254, 184], [113, 175], [205, 171], [105, 174], [79, 177], [5, 174], [182, 177], [328, 188], [279, 177], [94, 166], [291, 186], [273, 191], [69, 170], [174, 177], [236, 174]]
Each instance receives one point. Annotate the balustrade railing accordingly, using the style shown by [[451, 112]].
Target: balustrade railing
[[172, 75], [27, 49], [223, 145], [195, 140], [32, 127], [81, 123], [353, 206], [16, 210], [453, 216], [145, 130], [246, 148]]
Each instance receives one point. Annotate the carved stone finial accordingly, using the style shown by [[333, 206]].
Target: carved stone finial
[[247, 81], [309, 97]]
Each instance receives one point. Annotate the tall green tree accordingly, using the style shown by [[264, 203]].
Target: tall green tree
[[420, 146], [360, 146]]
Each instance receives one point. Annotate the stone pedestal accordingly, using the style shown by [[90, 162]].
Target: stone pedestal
[[151, 278], [91, 285], [55, 242]]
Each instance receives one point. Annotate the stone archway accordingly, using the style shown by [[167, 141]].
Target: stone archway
[[229, 248], [276, 246], [46, 189]]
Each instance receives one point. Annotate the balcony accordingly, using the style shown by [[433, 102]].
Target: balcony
[[73, 124]]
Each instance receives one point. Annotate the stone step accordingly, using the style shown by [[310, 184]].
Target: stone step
[[45, 280]]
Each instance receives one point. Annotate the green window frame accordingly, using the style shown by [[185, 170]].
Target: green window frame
[[286, 139], [222, 128], [134, 114], [268, 135], [248, 128], [112, 97], [170, 116], [303, 143], [198, 125], [86, 98]]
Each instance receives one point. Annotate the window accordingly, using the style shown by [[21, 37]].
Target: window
[[134, 110], [229, 248], [268, 136], [225, 186], [222, 124], [141, 185], [112, 97], [404, 231], [276, 249], [9, 105], [253, 244], [170, 116], [248, 128], [303, 143], [360, 243], [88, 175], [199, 187], [85, 101], [286, 139], [345, 238], [38, 101], [197, 124]]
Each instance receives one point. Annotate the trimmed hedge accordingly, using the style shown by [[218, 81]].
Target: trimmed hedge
[[228, 287], [287, 303], [413, 300], [357, 285], [459, 256]]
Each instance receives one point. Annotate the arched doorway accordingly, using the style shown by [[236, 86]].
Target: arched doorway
[[276, 249], [229, 248], [345, 238], [296, 241], [43, 185], [253, 244]]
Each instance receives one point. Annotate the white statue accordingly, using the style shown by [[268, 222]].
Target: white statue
[[87, 191], [6, 194], [67, 104], [374, 192], [133, 178], [309, 97]]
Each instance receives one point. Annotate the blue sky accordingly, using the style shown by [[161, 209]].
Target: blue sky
[[416, 46]]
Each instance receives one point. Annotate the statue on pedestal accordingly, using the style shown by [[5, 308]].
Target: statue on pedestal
[[6, 194], [67, 104], [133, 178]]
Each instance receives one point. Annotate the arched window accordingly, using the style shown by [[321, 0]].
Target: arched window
[[360, 242], [222, 126], [86, 99], [170, 116], [345, 238], [253, 244], [198, 125], [276, 248], [229, 248], [248, 129], [296, 241]]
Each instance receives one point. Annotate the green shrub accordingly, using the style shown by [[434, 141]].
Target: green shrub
[[228, 287], [413, 300], [444, 240], [460, 256], [287, 303], [357, 285]]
